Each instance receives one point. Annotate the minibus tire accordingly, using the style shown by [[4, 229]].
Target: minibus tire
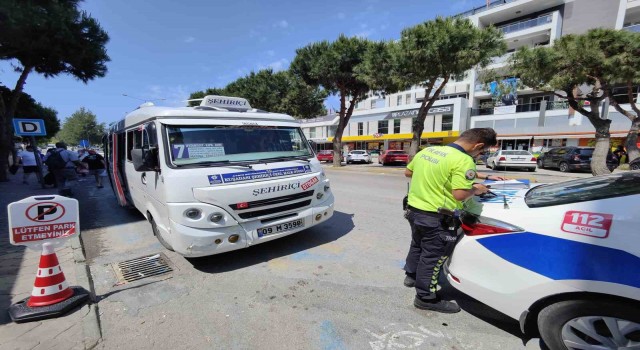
[[156, 233]]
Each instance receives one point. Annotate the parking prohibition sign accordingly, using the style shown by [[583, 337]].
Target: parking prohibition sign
[[37, 219]]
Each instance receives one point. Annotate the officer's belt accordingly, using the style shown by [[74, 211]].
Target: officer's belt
[[424, 212]]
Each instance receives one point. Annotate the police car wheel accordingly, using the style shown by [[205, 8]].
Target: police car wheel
[[586, 324], [156, 233]]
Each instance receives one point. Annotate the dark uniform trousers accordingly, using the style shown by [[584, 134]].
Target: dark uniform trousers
[[431, 242]]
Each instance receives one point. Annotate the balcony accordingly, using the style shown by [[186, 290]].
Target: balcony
[[530, 23], [500, 60], [480, 9], [633, 28], [525, 107]]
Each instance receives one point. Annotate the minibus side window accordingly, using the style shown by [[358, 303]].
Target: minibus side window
[[134, 140], [130, 143]]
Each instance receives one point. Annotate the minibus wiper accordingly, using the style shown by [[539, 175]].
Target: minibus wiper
[[275, 159], [224, 163]]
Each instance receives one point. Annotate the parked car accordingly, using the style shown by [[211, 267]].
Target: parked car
[[570, 159], [563, 259], [635, 164], [360, 156], [325, 156], [393, 156], [511, 159]]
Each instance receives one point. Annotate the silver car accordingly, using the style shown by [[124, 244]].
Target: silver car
[[503, 159], [360, 156]]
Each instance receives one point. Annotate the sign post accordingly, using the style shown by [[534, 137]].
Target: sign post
[[43, 222], [31, 128]]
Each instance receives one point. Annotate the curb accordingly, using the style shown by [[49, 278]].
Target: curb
[[91, 322]]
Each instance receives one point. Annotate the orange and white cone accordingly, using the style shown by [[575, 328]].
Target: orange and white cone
[[50, 286]]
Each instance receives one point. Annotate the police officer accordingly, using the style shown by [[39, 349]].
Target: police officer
[[441, 177]]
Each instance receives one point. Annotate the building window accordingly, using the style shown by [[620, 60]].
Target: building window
[[396, 126], [399, 100], [360, 129], [447, 122], [407, 99], [383, 126], [372, 104], [331, 132], [312, 132]]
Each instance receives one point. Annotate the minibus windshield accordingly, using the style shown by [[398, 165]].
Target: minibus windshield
[[220, 145]]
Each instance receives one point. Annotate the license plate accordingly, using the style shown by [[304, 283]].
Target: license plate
[[286, 226]]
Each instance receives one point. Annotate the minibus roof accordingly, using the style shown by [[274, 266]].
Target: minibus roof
[[148, 111]]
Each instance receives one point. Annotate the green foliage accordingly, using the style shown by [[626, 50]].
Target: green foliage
[[586, 68], [53, 37], [48, 37], [598, 58], [336, 66], [431, 53], [443, 48], [81, 125], [28, 108], [271, 91]]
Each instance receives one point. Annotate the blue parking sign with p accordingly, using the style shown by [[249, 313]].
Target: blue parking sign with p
[[29, 127]]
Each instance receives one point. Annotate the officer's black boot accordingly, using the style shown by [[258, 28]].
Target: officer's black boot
[[409, 281], [436, 304]]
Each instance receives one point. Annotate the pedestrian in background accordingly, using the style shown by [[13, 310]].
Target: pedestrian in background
[[442, 177], [620, 153], [96, 165], [29, 165], [62, 163]]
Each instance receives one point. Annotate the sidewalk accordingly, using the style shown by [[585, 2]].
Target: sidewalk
[[79, 328]]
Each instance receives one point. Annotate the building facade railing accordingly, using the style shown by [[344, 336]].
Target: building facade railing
[[525, 107], [479, 9], [522, 25]]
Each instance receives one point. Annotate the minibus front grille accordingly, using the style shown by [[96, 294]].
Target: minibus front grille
[[272, 201], [263, 212]]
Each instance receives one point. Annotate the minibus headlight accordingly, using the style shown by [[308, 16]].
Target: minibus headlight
[[216, 217], [193, 213], [326, 187]]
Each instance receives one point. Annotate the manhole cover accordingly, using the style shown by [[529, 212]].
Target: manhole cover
[[143, 267]]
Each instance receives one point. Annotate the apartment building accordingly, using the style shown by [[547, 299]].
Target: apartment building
[[537, 119]]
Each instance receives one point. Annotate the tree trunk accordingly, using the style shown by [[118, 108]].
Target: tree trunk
[[603, 144], [632, 140], [6, 125], [427, 103], [343, 121]]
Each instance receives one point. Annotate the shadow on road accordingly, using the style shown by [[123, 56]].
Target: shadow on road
[[482, 311], [339, 225]]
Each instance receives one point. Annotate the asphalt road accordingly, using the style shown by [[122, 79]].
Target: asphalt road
[[334, 286]]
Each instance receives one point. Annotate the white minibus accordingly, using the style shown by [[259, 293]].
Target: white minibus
[[217, 177]]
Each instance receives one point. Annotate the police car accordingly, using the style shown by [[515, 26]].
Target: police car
[[563, 259]]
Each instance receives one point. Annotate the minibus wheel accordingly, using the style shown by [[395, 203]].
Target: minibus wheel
[[156, 233]]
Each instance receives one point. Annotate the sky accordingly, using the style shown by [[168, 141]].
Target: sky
[[163, 50]]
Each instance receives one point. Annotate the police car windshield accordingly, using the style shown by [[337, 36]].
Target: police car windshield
[[230, 143]]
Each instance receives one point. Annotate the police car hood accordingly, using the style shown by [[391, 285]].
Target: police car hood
[[506, 198], [255, 187]]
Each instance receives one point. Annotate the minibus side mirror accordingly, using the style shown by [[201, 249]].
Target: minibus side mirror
[[144, 159]]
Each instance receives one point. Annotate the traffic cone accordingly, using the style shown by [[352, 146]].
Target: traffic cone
[[51, 295], [50, 286]]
